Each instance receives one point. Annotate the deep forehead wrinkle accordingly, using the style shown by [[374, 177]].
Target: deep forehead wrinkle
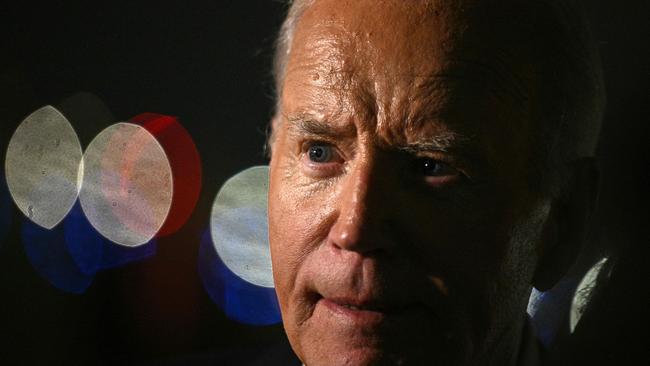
[[437, 31], [496, 79], [454, 101]]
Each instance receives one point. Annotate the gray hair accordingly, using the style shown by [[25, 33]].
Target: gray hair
[[568, 64], [285, 39]]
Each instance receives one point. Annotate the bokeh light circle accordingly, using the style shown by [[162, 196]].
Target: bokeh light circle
[[240, 300], [127, 184], [42, 166], [585, 292], [185, 163], [239, 226], [92, 252], [6, 210], [548, 310], [46, 251]]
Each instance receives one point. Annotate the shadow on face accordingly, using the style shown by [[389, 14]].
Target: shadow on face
[[402, 225]]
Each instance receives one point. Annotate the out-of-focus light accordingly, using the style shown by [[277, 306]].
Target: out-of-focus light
[[6, 211], [240, 300], [239, 226], [42, 166], [185, 163], [83, 242], [585, 292], [46, 251], [127, 184], [92, 252], [70, 255], [548, 310], [87, 113]]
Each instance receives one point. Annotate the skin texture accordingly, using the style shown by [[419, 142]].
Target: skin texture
[[437, 263]]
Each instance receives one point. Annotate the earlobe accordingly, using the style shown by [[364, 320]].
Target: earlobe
[[566, 227]]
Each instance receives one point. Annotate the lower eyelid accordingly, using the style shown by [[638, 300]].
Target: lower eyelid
[[442, 181], [330, 168], [442, 178]]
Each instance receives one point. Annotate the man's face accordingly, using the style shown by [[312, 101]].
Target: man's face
[[402, 226]]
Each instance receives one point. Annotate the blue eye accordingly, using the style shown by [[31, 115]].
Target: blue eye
[[320, 153], [433, 168]]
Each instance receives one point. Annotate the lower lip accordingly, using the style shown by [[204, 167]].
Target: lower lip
[[360, 317]]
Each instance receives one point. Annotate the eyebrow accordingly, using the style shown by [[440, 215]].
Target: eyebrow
[[446, 142], [305, 125]]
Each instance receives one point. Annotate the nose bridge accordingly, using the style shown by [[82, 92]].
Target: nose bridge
[[360, 214]]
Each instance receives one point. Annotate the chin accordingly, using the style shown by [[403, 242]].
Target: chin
[[338, 350], [333, 337], [352, 357]]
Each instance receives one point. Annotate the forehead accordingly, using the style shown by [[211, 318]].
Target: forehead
[[390, 30], [402, 67]]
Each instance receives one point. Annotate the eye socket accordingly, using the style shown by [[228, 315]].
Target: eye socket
[[321, 159], [435, 171], [320, 152], [433, 168]]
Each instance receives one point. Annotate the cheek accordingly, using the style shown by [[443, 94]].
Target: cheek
[[298, 218], [283, 249], [467, 244], [463, 237]]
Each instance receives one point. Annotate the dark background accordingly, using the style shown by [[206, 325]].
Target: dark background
[[208, 62]]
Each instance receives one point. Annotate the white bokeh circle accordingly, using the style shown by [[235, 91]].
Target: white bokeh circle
[[127, 186], [239, 226], [42, 166]]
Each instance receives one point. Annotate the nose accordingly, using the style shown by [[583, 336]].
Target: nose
[[364, 201]]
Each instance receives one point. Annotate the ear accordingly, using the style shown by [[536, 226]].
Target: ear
[[564, 232]]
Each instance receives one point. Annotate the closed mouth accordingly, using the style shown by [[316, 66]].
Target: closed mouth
[[357, 305], [369, 307]]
